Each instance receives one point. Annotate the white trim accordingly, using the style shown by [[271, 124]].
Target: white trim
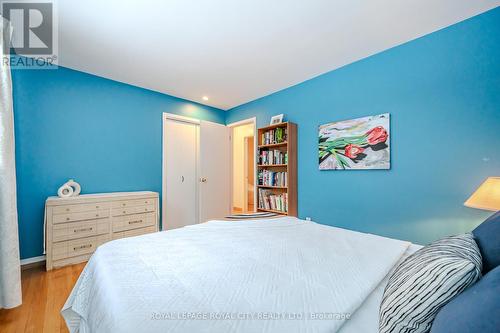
[[198, 175], [172, 116], [164, 118], [253, 121], [32, 260]]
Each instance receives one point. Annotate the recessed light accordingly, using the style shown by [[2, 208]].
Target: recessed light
[[205, 98]]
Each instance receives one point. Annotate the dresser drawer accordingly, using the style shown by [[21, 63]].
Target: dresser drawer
[[81, 208], [66, 231], [133, 210], [134, 232], [128, 222], [132, 203], [73, 248], [64, 218]]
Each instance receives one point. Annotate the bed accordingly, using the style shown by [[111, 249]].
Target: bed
[[265, 275]]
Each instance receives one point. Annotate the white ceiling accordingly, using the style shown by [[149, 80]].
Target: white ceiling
[[235, 51]]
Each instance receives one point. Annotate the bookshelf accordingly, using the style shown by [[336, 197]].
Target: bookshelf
[[277, 169]]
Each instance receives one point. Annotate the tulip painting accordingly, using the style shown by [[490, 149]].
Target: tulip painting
[[361, 143]]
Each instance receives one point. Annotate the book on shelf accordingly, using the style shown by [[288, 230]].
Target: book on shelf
[[269, 157], [273, 136], [273, 201], [272, 178]]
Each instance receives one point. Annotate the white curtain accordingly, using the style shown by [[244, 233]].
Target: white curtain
[[10, 269]]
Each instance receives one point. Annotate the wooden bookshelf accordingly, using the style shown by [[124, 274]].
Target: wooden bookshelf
[[272, 211], [289, 147], [272, 145], [269, 186], [271, 165]]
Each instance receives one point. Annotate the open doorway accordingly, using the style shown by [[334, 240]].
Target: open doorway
[[243, 166]]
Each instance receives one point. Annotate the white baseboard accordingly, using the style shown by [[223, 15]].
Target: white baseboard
[[32, 260]]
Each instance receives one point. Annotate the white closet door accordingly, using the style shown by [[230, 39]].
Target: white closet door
[[180, 172], [215, 172]]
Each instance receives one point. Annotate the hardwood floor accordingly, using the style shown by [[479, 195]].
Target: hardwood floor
[[44, 294]]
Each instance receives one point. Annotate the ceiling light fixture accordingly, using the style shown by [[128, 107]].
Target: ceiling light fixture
[[205, 98]]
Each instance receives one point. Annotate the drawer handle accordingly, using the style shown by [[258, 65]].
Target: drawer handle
[[123, 204], [124, 212], [67, 209], [134, 222], [96, 215], [83, 229], [67, 219], [82, 247], [145, 209], [97, 207]]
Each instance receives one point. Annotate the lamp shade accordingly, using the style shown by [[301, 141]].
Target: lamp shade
[[487, 196]]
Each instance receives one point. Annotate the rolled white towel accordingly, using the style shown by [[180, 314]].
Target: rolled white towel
[[65, 191], [76, 187]]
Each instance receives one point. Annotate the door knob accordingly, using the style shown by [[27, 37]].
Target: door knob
[[203, 180]]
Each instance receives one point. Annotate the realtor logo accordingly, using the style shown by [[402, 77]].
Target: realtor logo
[[33, 35]]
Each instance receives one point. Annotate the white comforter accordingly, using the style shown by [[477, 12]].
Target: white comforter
[[278, 275]]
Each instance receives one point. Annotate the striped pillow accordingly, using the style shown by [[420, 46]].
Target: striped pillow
[[426, 281]]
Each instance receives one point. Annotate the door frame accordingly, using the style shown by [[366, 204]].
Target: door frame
[[173, 117], [253, 121], [246, 173]]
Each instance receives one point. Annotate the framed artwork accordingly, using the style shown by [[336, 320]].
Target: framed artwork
[[362, 143], [276, 119]]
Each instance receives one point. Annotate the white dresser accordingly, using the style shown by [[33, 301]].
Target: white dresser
[[76, 226]]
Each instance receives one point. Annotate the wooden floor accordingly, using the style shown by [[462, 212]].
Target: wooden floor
[[44, 294]]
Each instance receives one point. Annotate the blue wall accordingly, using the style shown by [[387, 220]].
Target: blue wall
[[443, 94], [442, 90], [104, 134]]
